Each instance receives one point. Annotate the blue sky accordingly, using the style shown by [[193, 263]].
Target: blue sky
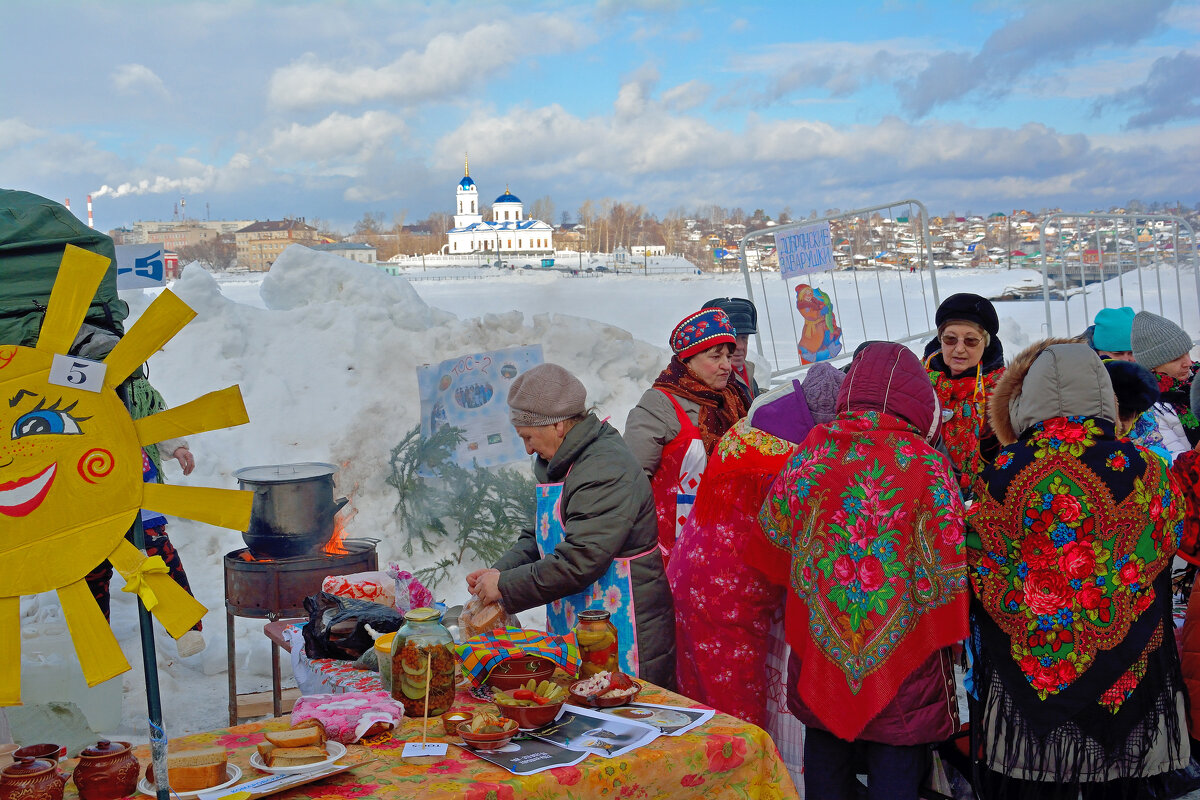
[[256, 109]]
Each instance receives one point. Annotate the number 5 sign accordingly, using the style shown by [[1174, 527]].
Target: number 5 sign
[[78, 373]]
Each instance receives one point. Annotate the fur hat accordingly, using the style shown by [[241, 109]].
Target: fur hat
[[1113, 326], [968, 307], [1135, 386], [1156, 340], [545, 395], [697, 332], [741, 312]]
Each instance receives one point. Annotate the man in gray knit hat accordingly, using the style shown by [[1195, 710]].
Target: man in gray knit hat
[[594, 541], [1165, 348]]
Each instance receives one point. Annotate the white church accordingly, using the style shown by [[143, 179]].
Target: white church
[[509, 233]]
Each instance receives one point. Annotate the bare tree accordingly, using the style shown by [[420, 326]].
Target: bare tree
[[217, 252], [543, 209]]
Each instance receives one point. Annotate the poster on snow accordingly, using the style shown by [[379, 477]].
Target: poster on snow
[[471, 392], [141, 266], [804, 250]]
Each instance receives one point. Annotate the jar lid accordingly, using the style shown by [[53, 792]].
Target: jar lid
[[594, 614], [422, 615], [24, 766], [104, 748]]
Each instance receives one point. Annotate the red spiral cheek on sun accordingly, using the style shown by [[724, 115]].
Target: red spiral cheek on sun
[[7, 354], [95, 464]]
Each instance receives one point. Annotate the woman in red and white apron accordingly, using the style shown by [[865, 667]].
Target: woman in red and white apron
[[594, 543], [677, 423]]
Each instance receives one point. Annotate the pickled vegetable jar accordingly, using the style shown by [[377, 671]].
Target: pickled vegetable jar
[[597, 638], [423, 659]]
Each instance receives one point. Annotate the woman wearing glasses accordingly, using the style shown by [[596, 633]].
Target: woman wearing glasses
[[965, 362]]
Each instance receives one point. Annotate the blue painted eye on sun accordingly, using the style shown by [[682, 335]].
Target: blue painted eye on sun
[[41, 421]]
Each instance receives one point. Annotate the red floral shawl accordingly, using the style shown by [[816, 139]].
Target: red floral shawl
[[865, 525]]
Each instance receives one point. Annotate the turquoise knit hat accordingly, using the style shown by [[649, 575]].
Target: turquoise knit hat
[[1113, 327]]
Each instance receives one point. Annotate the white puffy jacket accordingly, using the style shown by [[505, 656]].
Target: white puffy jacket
[[1175, 438]]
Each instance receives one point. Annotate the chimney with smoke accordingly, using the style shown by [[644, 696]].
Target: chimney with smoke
[[91, 222]]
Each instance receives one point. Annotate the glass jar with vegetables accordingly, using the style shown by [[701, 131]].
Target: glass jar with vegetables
[[597, 638], [423, 660]]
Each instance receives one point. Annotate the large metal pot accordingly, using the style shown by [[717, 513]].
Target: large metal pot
[[293, 509]]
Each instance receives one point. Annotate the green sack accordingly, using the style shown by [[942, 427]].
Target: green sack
[[34, 232]]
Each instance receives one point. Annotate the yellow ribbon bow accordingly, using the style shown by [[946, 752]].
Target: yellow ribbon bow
[[136, 581]]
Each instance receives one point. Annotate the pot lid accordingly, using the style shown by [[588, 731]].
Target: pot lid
[[26, 766], [103, 748], [285, 473]]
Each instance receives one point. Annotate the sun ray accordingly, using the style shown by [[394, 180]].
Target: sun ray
[[99, 654], [164, 318], [10, 651], [210, 412], [79, 275], [225, 508], [150, 580]]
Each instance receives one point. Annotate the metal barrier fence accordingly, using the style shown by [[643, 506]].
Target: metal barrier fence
[[1092, 261], [883, 286]]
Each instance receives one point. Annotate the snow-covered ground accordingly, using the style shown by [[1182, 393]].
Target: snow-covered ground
[[325, 352]]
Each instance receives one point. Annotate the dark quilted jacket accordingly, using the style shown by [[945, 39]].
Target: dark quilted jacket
[[607, 512]]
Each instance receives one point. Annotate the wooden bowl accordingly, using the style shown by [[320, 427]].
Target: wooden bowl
[[602, 702], [514, 673], [530, 717], [488, 741]]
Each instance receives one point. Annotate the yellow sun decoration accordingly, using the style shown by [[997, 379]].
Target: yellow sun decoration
[[71, 477]]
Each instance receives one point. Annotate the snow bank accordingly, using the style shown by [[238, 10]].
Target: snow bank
[[328, 373]]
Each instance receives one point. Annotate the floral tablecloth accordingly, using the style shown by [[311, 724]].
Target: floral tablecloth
[[724, 757]]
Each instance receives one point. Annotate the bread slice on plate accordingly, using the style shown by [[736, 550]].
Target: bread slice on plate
[[189, 770], [295, 756], [307, 736]]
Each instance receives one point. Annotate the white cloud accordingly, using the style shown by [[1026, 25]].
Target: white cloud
[[15, 132], [337, 138], [448, 65], [138, 79]]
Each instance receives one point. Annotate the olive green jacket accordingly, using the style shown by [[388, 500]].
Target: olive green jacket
[[607, 513]]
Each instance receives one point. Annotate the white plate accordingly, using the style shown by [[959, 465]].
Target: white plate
[[335, 750], [233, 773]]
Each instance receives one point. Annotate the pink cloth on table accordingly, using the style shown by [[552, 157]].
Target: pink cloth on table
[[348, 716]]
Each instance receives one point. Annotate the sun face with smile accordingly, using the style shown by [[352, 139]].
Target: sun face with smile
[[71, 475], [70, 471]]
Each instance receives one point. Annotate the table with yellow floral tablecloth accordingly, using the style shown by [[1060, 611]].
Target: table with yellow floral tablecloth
[[724, 757]]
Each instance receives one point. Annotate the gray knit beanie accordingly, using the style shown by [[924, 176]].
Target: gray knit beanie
[[545, 395], [1156, 340], [821, 386]]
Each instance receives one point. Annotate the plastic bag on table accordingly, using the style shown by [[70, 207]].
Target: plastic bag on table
[[337, 625], [478, 617]]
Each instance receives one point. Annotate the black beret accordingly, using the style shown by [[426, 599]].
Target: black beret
[[969, 308]]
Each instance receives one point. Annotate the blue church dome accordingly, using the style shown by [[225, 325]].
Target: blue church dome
[[466, 183], [508, 197]]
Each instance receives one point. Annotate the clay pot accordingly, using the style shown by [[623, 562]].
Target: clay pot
[[106, 771], [31, 778]]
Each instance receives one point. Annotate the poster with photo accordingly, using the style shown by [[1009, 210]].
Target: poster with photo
[[592, 731], [525, 755], [470, 392]]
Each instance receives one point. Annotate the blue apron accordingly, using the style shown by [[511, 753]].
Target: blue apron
[[613, 592]]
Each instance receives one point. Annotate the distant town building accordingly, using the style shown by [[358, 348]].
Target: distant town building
[[149, 231], [260, 243], [508, 234], [362, 253]]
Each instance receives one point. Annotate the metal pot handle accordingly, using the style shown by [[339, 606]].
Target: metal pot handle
[[339, 504]]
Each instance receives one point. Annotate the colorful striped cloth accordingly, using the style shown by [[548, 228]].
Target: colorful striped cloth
[[480, 654]]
